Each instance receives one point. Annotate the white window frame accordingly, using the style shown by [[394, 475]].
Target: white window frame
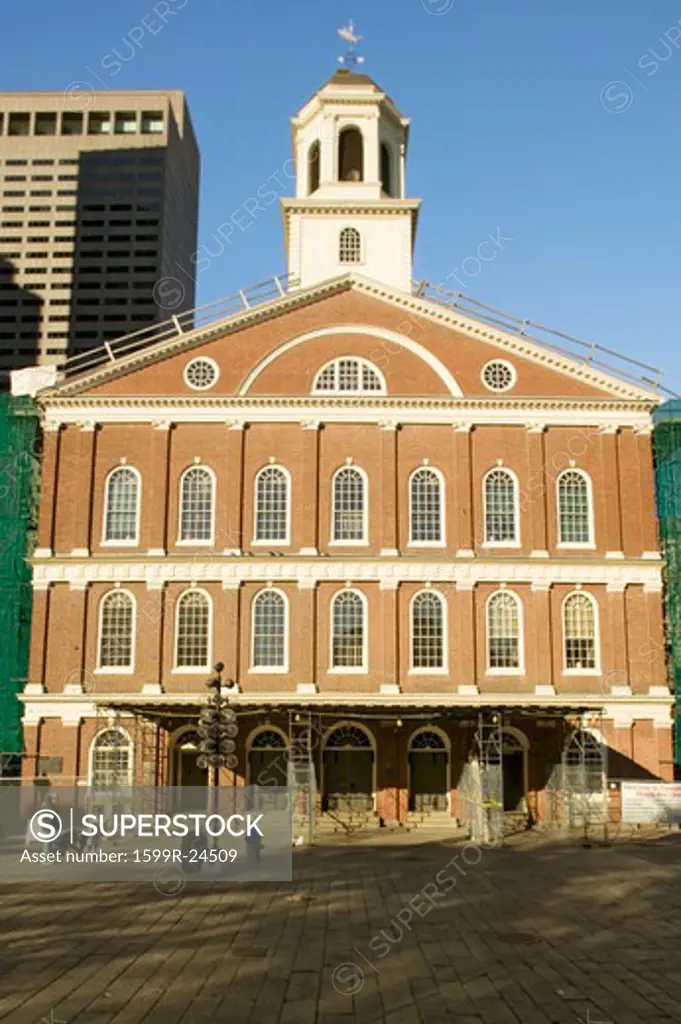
[[579, 545], [364, 542], [443, 535], [362, 247], [131, 751], [520, 670], [211, 540], [269, 543], [203, 359], [516, 543], [192, 669], [356, 670], [270, 669], [133, 543], [596, 671], [336, 391], [116, 670], [444, 668]]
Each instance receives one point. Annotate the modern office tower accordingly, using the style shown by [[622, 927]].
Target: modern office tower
[[97, 207]]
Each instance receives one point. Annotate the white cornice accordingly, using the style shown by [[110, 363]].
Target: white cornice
[[233, 571]]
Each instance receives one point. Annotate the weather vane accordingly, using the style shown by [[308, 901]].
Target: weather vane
[[350, 59]]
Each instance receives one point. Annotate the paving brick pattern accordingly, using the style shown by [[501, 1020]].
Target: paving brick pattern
[[540, 932]]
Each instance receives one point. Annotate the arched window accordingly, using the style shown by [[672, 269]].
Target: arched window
[[386, 169], [348, 631], [269, 630], [349, 506], [580, 633], [501, 508], [350, 155], [347, 737], [267, 739], [350, 246], [426, 507], [575, 514], [313, 158], [193, 629], [121, 506], [428, 631], [504, 632], [349, 375], [272, 505], [111, 759], [197, 500], [116, 631]]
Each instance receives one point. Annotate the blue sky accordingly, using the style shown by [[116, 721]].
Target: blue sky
[[556, 124]]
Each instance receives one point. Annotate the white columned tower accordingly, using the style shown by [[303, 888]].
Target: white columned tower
[[350, 211]]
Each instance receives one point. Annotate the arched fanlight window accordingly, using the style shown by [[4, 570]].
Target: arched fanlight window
[[350, 155], [121, 506], [347, 737], [349, 506], [428, 631], [272, 505], [386, 169], [111, 759], [426, 739], [348, 631], [313, 163], [192, 631], [575, 510], [504, 632], [501, 508], [116, 631], [267, 739], [426, 507], [349, 246], [349, 375], [580, 632], [197, 500], [270, 641]]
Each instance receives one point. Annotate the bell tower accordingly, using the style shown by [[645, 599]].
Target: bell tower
[[350, 211]]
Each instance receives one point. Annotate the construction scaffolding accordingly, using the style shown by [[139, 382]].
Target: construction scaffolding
[[667, 449], [19, 481]]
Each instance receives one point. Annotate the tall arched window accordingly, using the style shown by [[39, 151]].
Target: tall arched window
[[270, 641], [350, 155], [428, 631], [348, 631], [386, 169], [426, 507], [111, 759], [192, 631], [501, 508], [504, 632], [349, 506], [121, 506], [197, 499], [116, 631], [580, 633], [313, 158], [350, 246], [575, 515], [272, 505]]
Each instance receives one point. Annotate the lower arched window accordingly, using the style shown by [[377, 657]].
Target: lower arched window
[[427, 632], [574, 508], [579, 629], [269, 630], [349, 506], [111, 759], [504, 632], [426, 507], [348, 631], [196, 505], [193, 630], [116, 631]]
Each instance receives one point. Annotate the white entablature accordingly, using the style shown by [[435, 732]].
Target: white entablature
[[350, 210]]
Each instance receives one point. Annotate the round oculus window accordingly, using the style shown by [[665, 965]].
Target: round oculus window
[[201, 374], [498, 375]]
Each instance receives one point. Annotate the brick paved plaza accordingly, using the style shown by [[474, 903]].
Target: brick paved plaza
[[540, 931]]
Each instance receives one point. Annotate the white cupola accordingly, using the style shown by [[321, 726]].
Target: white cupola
[[350, 211]]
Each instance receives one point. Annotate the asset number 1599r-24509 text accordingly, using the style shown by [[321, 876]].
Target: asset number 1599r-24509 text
[[194, 856]]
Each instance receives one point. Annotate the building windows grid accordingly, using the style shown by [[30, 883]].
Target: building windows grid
[[428, 632], [110, 759], [116, 632], [580, 634], [349, 506], [349, 376], [197, 503], [272, 506], [501, 509], [193, 630], [350, 246], [575, 509], [504, 633], [426, 506], [348, 632], [269, 632], [122, 505]]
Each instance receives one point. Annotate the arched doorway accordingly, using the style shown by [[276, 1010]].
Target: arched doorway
[[184, 753], [429, 783], [515, 770], [348, 769], [584, 772], [267, 757]]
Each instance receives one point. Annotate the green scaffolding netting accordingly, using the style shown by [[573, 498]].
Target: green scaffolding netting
[[667, 444], [19, 476]]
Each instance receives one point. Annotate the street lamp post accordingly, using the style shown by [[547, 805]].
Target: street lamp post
[[217, 729]]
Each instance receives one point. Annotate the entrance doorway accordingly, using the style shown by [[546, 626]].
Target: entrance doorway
[[428, 772], [268, 758], [515, 772], [186, 771], [348, 770]]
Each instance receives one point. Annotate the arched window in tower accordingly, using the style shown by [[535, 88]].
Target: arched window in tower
[[349, 506], [313, 161], [386, 169], [350, 155], [350, 246]]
